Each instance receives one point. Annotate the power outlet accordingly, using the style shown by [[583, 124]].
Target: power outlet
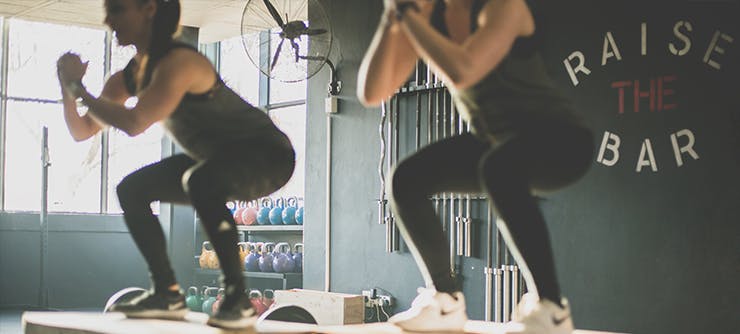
[[373, 299], [385, 301]]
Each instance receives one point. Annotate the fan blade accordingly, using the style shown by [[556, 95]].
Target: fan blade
[[274, 13], [296, 47], [312, 32], [277, 53]]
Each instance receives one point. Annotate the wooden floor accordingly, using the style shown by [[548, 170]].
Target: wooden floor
[[115, 323]]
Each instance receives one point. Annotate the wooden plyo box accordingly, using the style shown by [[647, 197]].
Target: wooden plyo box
[[328, 308]]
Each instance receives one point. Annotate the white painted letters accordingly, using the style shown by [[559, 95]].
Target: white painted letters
[[716, 48], [614, 148], [688, 148], [609, 43], [647, 148], [685, 39], [581, 67]]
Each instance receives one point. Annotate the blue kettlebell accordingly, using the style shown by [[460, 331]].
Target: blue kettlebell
[[289, 212], [298, 257], [299, 216], [265, 261], [283, 261], [263, 215], [276, 214], [252, 261]]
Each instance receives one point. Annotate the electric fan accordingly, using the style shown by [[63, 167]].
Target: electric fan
[[288, 40]]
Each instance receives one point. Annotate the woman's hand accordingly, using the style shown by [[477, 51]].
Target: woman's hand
[[70, 68]]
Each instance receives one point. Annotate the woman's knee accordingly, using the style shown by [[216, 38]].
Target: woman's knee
[[496, 167], [202, 184], [128, 192]]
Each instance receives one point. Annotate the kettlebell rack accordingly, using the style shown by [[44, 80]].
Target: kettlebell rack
[[420, 113], [285, 280]]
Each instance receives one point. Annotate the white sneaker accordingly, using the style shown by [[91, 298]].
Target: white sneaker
[[433, 311], [542, 316]]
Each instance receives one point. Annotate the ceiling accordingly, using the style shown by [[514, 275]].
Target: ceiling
[[217, 19]]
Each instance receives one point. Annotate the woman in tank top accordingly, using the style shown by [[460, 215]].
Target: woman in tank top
[[232, 149], [525, 137]]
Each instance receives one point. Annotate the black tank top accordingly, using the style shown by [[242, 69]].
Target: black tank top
[[204, 124], [515, 95]]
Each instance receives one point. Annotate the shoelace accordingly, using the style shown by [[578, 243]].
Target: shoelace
[[425, 297], [527, 305]]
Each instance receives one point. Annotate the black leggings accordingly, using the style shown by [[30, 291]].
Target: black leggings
[[541, 158], [245, 172]]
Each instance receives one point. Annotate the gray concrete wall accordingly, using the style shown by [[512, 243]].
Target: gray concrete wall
[[636, 252]]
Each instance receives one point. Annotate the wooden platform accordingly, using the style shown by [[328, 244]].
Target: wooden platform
[[116, 323]]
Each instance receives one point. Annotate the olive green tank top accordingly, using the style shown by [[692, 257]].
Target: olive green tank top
[[205, 124], [515, 95]]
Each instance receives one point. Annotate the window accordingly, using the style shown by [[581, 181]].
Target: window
[[33, 101], [237, 70], [292, 121]]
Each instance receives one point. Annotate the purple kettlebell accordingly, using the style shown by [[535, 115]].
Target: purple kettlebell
[[252, 261], [267, 257], [298, 257], [283, 261]]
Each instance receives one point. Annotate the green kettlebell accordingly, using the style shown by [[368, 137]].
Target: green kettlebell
[[208, 303], [194, 300]]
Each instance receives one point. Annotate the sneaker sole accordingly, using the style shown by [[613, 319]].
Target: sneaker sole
[[243, 323], [158, 314], [409, 326]]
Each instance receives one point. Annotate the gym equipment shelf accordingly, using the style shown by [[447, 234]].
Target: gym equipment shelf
[[290, 280]]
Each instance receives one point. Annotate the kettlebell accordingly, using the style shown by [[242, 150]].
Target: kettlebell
[[243, 251], [249, 215], [219, 300], [298, 257], [283, 261], [213, 259], [208, 303], [231, 205], [194, 300], [276, 214], [203, 296], [291, 207], [263, 214], [206, 255], [268, 297], [241, 206], [265, 261], [299, 215], [251, 262], [255, 297]]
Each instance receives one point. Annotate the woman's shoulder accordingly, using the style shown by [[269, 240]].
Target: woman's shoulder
[[185, 54]]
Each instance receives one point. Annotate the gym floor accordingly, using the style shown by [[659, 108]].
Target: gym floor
[[10, 319]]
